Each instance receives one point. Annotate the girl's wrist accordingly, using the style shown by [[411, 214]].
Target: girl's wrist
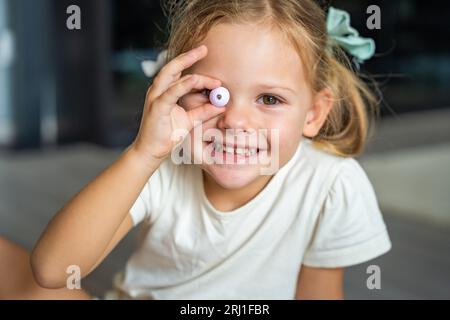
[[144, 162]]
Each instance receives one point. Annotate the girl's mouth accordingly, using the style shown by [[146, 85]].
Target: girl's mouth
[[234, 150], [233, 154]]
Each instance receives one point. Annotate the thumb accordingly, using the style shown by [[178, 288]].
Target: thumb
[[204, 113]]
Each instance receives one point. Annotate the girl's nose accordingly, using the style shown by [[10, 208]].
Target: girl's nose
[[237, 115]]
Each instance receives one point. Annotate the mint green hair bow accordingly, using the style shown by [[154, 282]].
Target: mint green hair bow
[[348, 38]]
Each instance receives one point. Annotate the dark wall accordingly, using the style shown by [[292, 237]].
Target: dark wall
[[412, 63], [61, 74], [82, 63]]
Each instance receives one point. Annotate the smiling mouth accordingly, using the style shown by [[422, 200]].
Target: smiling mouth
[[234, 150]]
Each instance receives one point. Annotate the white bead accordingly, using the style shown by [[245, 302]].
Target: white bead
[[219, 97]]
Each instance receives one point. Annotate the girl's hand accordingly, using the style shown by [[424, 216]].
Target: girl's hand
[[162, 115]]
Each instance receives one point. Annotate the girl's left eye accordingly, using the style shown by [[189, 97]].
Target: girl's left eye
[[271, 100]]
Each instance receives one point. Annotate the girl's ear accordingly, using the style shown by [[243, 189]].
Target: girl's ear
[[318, 113]]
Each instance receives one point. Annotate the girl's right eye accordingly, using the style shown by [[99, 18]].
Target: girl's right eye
[[205, 92]]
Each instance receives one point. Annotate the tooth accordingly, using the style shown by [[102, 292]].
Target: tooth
[[218, 147], [252, 152], [229, 149], [240, 151]]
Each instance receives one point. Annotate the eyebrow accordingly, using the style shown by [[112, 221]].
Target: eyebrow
[[268, 86]]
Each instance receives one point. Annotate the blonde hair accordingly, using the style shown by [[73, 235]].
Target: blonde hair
[[303, 24]]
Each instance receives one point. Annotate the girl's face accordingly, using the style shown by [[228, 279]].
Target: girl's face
[[265, 78]]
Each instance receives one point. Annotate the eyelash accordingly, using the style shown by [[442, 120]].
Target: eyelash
[[278, 100]]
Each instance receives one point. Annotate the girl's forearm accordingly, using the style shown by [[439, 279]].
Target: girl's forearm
[[81, 231]]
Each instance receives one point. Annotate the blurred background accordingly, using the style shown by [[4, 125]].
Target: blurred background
[[70, 102]]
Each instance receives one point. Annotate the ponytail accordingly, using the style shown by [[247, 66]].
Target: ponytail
[[350, 121]]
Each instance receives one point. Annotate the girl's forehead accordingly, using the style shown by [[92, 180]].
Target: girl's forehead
[[250, 51]]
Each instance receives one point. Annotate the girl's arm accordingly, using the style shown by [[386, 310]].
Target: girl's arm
[[88, 227], [93, 222], [320, 284]]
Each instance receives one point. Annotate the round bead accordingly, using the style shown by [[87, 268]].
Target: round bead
[[219, 97]]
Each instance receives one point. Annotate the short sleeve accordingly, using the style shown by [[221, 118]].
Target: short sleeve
[[149, 201], [350, 227]]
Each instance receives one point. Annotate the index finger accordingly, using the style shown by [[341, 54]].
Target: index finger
[[171, 72]]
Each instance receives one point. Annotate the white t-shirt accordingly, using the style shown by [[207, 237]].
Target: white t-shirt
[[318, 210]]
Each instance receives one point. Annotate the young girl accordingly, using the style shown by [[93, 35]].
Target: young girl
[[225, 230]]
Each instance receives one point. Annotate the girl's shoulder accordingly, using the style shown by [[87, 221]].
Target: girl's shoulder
[[320, 156], [339, 180], [328, 166], [349, 225]]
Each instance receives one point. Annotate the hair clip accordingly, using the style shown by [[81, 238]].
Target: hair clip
[[348, 38]]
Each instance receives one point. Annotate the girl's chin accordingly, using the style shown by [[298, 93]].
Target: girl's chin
[[232, 176]]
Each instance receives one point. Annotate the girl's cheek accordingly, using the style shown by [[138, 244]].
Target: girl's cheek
[[287, 133]]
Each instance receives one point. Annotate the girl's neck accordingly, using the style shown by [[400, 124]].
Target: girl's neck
[[224, 199]]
